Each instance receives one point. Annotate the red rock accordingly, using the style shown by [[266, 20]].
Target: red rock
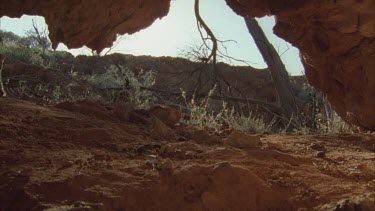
[[167, 115], [242, 140], [161, 131], [120, 111], [135, 117], [93, 23], [203, 137]]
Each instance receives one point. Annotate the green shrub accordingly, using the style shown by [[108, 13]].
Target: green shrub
[[248, 123], [333, 125], [21, 54], [123, 79], [33, 55], [201, 117]]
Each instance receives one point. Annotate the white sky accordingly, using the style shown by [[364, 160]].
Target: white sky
[[171, 34]]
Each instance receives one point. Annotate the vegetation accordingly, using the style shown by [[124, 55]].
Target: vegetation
[[279, 74], [121, 80], [201, 116], [119, 83], [30, 49]]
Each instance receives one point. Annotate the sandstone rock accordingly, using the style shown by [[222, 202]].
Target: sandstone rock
[[317, 147], [135, 117], [185, 131], [227, 181], [165, 166], [275, 146], [242, 140], [209, 198], [86, 107], [96, 135], [120, 111], [150, 148], [363, 202], [203, 137], [321, 154], [161, 131], [92, 23], [167, 115], [184, 150]]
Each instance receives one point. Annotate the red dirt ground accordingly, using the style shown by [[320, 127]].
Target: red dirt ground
[[90, 158]]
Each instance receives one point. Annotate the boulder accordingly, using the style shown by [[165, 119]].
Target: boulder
[[161, 131], [169, 116], [203, 137], [242, 140]]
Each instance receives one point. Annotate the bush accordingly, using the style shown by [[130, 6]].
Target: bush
[[17, 53], [123, 79], [200, 116], [32, 55], [334, 125], [248, 123]]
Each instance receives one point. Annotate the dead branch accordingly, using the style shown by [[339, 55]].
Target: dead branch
[[210, 34], [214, 50], [287, 49], [214, 97], [39, 37], [114, 45]]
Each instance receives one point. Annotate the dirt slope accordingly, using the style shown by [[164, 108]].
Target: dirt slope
[[91, 157]]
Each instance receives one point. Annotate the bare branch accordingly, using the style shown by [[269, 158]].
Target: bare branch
[[114, 45], [288, 48], [210, 34], [39, 36]]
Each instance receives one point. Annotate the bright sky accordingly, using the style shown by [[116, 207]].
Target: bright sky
[[170, 35]]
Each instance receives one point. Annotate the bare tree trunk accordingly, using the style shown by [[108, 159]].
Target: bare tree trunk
[[277, 68], [329, 114], [40, 36], [2, 89], [314, 110]]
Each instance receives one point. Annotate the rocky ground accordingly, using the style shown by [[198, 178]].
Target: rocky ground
[[86, 156]]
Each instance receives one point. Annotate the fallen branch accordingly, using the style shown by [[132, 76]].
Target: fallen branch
[[214, 97]]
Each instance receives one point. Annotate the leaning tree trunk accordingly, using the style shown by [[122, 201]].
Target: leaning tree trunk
[[278, 72]]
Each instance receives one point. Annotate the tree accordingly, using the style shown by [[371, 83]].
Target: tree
[[210, 53], [277, 68], [27, 42], [9, 37], [38, 38], [109, 50]]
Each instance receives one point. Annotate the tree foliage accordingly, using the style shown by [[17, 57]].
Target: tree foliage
[[34, 38]]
